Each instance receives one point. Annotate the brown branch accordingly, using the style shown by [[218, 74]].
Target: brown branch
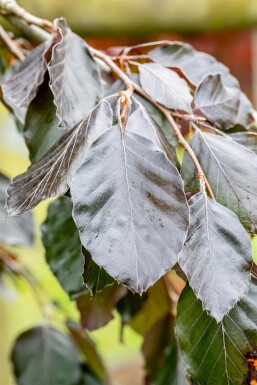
[[128, 82], [20, 12], [11, 44]]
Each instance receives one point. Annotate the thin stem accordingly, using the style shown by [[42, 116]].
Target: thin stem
[[11, 45], [18, 11], [128, 82], [131, 57]]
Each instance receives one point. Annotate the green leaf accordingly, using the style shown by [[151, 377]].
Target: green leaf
[[20, 87], [216, 256], [194, 64], [218, 101], [14, 231], [134, 202], [217, 351], [62, 244], [165, 86], [45, 356], [231, 170], [97, 311], [74, 77], [51, 175], [41, 129]]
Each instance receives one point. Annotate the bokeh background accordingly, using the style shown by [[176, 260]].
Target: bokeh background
[[226, 29]]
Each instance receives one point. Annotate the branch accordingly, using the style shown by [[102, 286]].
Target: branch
[[10, 7], [129, 83], [21, 13], [11, 45]]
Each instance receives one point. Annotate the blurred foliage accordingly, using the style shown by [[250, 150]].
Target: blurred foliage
[[101, 17]]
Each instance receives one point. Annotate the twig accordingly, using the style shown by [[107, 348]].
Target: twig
[[10, 7], [129, 84], [11, 45]]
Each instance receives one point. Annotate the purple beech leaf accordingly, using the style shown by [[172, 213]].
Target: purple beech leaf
[[215, 353], [247, 139], [21, 88], [14, 231], [218, 101], [74, 77], [41, 129], [193, 64], [216, 256], [52, 175], [132, 216], [165, 86], [231, 170], [149, 129]]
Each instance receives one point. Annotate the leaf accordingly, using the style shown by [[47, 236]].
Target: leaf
[[21, 87], [245, 111], [14, 231], [165, 86], [162, 356], [166, 134], [94, 276], [218, 101], [51, 175], [45, 356], [98, 311], [156, 306], [63, 253], [194, 64], [41, 129], [212, 350], [231, 170], [87, 347], [247, 139], [216, 256], [149, 129], [130, 208], [74, 76]]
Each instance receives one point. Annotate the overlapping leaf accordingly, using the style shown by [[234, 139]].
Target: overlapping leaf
[[165, 86], [94, 276], [63, 253], [87, 347], [52, 174], [41, 129], [218, 101], [74, 77], [98, 311], [231, 170], [45, 356], [217, 351], [247, 139], [20, 89], [134, 209], [216, 256], [14, 231], [194, 64]]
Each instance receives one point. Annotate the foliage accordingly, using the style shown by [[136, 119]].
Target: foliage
[[128, 211]]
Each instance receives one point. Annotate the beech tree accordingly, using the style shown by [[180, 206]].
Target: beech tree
[[150, 151]]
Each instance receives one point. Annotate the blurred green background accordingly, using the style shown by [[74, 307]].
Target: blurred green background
[[224, 28]]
